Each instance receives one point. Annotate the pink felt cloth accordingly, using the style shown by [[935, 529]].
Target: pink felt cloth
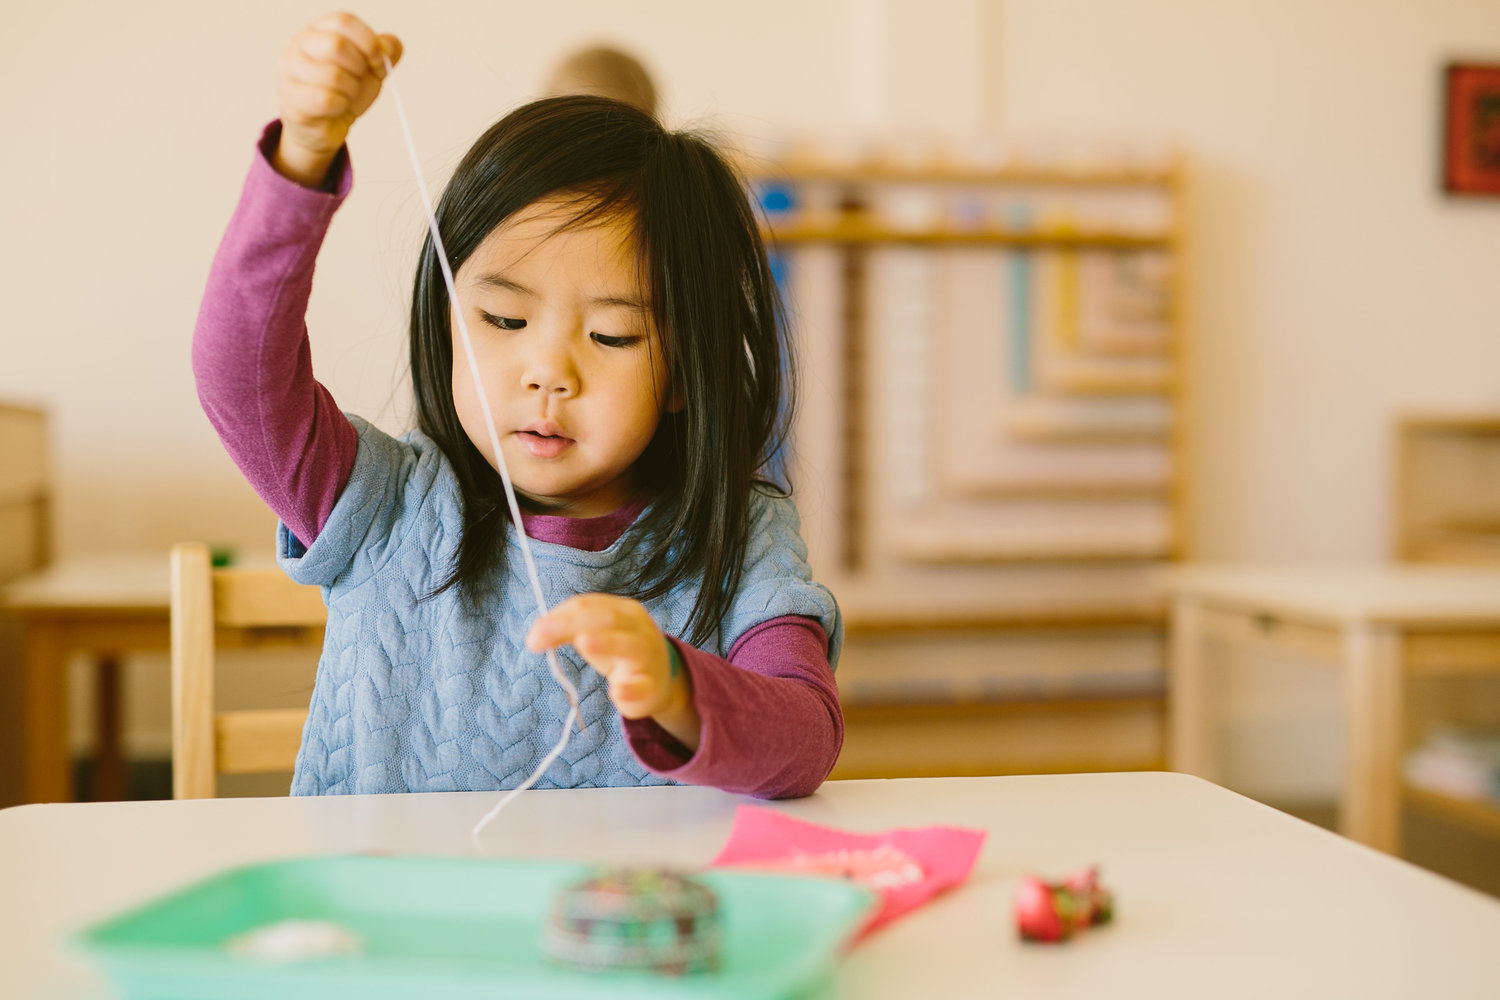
[[905, 868]]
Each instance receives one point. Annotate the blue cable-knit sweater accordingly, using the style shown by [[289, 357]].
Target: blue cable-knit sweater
[[417, 693]]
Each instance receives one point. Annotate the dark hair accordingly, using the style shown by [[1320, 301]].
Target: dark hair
[[711, 294]]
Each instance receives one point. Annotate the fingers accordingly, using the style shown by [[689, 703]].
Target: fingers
[[587, 613], [319, 51], [345, 38], [392, 47], [612, 650], [617, 637], [321, 90], [636, 691], [634, 698]]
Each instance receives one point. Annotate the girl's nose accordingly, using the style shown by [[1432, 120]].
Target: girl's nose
[[550, 370]]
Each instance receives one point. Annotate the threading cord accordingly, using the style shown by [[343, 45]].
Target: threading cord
[[489, 423]]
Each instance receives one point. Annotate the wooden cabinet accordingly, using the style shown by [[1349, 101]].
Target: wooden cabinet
[[1447, 510], [988, 455], [1447, 488], [23, 490], [24, 546]]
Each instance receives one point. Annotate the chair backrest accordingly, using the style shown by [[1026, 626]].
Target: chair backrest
[[214, 609]]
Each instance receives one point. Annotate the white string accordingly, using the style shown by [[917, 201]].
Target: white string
[[489, 423]]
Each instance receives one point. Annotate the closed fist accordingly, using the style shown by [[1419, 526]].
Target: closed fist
[[330, 74]]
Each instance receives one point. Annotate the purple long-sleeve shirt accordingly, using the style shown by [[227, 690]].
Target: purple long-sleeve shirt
[[771, 722]]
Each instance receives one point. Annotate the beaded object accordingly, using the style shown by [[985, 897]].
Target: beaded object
[[635, 920], [1053, 911]]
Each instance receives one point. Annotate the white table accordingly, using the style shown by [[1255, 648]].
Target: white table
[[1217, 895], [1377, 624]]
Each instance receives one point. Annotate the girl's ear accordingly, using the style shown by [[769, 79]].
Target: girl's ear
[[675, 400]]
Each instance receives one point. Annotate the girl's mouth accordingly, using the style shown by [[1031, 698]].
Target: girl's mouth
[[543, 445]]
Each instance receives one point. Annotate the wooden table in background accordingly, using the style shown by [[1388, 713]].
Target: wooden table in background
[[105, 606], [1378, 624]]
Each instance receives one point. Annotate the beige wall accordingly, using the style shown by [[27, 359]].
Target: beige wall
[[127, 130], [1332, 286], [1335, 286]]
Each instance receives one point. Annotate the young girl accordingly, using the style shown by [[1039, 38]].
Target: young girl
[[627, 334]]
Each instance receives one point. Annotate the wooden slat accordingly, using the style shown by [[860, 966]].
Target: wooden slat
[[23, 536], [1373, 693], [1033, 737], [858, 231], [231, 608], [44, 706], [852, 460], [192, 673], [1268, 631], [247, 598], [995, 551], [906, 621], [1035, 432], [24, 503], [1059, 489], [1192, 723], [1426, 545], [254, 742], [270, 637], [1482, 817], [1179, 349], [23, 442], [1101, 383], [1445, 468], [1452, 655], [1486, 423], [863, 173]]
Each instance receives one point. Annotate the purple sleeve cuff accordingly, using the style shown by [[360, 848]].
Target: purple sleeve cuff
[[771, 722]]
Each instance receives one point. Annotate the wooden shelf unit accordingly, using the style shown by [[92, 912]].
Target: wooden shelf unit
[[1063, 490], [859, 230], [25, 545], [848, 220], [1447, 510], [24, 491], [1121, 384], [904, 620], [889, 267], [980, 552], [1447, 488], [803, 169], [914, 740]]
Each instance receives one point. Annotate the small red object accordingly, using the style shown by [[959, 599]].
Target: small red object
[[1054, 911]]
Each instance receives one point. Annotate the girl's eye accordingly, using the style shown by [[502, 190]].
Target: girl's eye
[[503, 322], [605, 340]]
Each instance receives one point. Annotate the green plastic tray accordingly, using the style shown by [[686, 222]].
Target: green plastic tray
[[452, 927]]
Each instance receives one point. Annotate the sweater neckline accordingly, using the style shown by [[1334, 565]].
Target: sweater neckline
[[590, 534]]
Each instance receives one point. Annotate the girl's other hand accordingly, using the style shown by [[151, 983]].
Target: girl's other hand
[[329, 75], [617, 637]]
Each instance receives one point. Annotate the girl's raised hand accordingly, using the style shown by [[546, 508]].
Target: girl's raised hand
[[617, 637], [329, 75]]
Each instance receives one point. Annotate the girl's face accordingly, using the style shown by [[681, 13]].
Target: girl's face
[[571, 363]]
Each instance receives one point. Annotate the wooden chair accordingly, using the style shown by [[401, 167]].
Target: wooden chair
[[231, 608]]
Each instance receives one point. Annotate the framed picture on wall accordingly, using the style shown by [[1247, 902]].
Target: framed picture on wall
[[1471, 129]]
